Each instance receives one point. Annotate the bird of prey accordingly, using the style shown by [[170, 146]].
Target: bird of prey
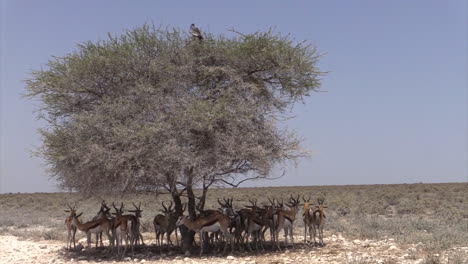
[[195, 32]]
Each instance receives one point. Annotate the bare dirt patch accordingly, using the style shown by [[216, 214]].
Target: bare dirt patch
[[337, 250]]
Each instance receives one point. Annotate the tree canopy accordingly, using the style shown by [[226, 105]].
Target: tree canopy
[[151, 108]]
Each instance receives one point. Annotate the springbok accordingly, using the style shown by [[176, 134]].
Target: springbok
[[123, 227], [210, 223], [136, 228], [236, 220], [254, 223], [71, 229], [165, 224], [318, 221], [286, 219], [103, 212], [272, 216], [307, 217], [93, 226]]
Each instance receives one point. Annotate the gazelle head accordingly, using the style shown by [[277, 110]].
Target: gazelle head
[[253, 205], [306, 202], [137, 210], [280, 204], [293, 202], [167, 210], [72, 211], [272, 201], [320, 205], [226, 207], [118, 212], [104, 210]]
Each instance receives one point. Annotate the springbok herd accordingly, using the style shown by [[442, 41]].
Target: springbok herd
[[243, 229]]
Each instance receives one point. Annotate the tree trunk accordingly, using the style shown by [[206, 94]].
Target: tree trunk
[[188, 236]]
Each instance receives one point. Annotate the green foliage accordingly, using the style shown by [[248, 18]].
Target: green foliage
[[140, 110]]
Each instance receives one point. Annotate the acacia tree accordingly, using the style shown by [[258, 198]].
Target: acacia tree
[[152, 109]]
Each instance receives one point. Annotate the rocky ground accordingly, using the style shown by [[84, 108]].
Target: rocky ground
[[337, 250]]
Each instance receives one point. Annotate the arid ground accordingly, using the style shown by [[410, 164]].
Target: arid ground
[[405, 223]]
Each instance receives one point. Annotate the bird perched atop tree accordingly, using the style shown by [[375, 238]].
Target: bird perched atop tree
[[195, 32]]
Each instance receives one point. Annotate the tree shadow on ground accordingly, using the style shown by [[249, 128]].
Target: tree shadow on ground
[[153, 252]]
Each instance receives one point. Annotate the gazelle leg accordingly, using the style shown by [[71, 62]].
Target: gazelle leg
[[202, 244]]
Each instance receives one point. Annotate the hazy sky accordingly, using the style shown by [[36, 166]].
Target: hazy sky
[[395, 110]]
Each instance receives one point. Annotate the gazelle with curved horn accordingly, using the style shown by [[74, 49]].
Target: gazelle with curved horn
[[307, 217], [272, 216], [123, 227], [93, 226], [236, 220], [103, 212], [258, 222], [318, 221], [71, 229], [165, 224], [254, 224], [286, 219], [136, 228], [210, 223]]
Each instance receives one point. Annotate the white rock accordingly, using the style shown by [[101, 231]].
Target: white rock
[[230, 257], [186, 259], [392, 247]]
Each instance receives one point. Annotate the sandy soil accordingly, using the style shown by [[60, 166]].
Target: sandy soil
[[337, 250]]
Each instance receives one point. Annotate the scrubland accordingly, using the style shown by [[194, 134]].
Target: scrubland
[[421, 223]]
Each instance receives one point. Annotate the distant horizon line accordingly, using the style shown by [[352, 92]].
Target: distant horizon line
[[253, 187]]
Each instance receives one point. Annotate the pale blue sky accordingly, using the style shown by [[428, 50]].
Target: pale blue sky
[[395, 110]]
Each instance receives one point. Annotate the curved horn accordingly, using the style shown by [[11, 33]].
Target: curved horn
[[272, 202], [254, 202], [113, 205]]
